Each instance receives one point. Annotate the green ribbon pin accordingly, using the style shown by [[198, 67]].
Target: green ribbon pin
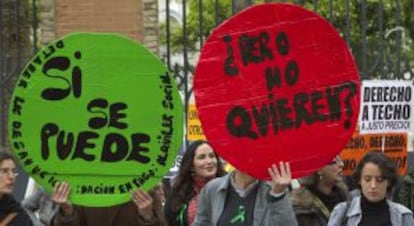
[[240, 215], [180, 216]]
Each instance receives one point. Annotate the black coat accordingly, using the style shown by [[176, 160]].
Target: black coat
[[309, 208], [9, 205], [172, 216]]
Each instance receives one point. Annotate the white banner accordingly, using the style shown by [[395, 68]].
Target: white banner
[[386, 106]]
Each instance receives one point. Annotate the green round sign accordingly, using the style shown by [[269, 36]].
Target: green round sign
[[98, 111]]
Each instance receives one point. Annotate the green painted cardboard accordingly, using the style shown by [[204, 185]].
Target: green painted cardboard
[[98, 111]]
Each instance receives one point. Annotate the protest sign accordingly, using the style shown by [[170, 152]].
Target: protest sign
[[282, 86], [394, 145], [98, 111], [386, 106], [194, 129]]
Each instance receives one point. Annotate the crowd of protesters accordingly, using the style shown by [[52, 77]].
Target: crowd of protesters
[[203, 194]]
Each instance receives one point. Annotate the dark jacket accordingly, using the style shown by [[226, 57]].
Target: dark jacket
[[405, 193], [120, 215], [173, 217], [9, 205], [310, 210]]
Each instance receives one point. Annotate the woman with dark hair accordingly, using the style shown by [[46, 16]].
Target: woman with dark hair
[[320, 192], [199, 165], [376, 176], [11, 212]]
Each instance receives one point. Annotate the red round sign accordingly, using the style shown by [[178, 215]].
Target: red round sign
[[275, 83]]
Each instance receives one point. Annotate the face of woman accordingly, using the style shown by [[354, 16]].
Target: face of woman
[[205, 162], [7, 176], [332, 173], [373, 185]]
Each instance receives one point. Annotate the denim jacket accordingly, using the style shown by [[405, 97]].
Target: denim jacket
[[400, 215]]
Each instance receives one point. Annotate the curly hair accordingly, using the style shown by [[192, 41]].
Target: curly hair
[[386, 165], [184, 180]]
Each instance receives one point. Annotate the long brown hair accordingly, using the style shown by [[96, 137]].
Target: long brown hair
[[184, 180]]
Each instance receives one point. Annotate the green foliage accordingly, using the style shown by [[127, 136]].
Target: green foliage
[[374, 45], [209, 18]]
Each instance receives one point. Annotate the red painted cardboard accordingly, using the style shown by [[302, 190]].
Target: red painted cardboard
[[276, 82]]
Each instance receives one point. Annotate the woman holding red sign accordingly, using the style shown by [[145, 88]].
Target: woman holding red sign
[[320, 192], [199, 165], [376, 176]]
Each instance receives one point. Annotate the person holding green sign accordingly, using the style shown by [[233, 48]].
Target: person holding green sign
[[239, 199], [144, 209], [11, 212]]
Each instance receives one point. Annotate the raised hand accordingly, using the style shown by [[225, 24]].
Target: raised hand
[[60, 197], [281, 178], [144, 203]]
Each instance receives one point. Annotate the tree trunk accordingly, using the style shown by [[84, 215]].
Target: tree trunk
[[15, 49]]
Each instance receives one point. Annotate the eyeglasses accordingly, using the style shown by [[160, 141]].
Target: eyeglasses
[[7, 172], [336, 160]]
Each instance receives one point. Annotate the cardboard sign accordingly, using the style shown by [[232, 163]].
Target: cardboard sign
[[194, 129], [275, 83], [98, 111], [393, 145], [386, 106]]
